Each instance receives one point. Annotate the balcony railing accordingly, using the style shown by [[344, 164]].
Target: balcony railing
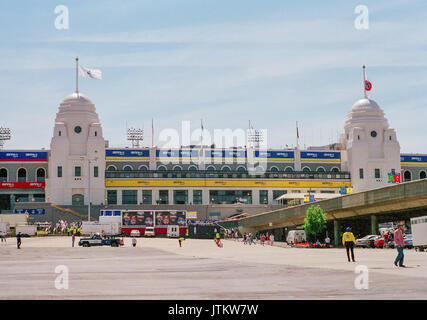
[[156, 174]]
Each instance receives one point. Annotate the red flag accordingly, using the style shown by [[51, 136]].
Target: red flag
[[297, 131]]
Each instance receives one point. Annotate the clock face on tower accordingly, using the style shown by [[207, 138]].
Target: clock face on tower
[[77, 129], [373, 133]]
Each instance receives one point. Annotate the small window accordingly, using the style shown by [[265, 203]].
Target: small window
[[59, 133], [59, 172], [358, 137], [77, 171], [361, 173], [95, 172], [96, 133], [377, 174]]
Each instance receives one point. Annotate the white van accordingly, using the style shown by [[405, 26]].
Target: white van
[[173, 231], [296, 234], [419, 233], [149, 232]]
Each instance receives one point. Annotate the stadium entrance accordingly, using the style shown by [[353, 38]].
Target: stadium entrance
[[4, 202]]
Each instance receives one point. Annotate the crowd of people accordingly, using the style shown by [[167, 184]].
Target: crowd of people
[[249, 238]]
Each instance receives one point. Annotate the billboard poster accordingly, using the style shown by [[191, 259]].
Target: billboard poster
[[137, 219], [160, 218]]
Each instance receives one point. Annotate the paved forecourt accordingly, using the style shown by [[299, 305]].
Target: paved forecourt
[[160, 269]]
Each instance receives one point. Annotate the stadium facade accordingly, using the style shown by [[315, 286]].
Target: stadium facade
[[80, 166]]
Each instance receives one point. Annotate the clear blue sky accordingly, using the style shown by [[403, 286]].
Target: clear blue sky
[[273, 62]]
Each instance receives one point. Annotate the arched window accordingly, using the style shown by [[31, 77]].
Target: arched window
[[3, 175], [225, 168], [41, 175], [306, 169], [210, 168], [127, 168], [335, 170], [161, 168], [192, 168], [407, 176], [259, 169], [22, 175], [241, 169], [111, 168], [143, 168], [289, 169], [274, 169], [177, 168], [320, 169], [423, 175]]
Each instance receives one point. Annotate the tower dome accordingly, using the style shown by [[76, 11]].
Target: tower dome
[[77, 106], [76, 98], [364, 111]]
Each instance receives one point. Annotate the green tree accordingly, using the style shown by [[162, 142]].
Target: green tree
[[314, 221]]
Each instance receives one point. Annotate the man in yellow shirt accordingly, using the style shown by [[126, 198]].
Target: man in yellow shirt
[[348, 241]]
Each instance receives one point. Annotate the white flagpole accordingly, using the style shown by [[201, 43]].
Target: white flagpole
[[152, 132], [77, 75], [201, 133]]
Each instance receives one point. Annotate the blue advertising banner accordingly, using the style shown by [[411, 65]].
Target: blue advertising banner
[[275, 155], [177, 154], [127, 154], [320, 156], [29, 211], [411, 160], [23, 156], [221, 154], [110, 213]]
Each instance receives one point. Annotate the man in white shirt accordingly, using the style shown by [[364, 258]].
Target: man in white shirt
[[271, 239]]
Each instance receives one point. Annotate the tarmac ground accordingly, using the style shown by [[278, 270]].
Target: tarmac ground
[[159, 269]]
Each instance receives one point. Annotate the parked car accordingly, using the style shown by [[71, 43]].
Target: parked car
[[371, 241], [149, 232], [407, 241], [379, 242], [135, 233], [365, 241]]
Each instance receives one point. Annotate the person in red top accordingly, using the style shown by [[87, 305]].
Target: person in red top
[[398, 242]]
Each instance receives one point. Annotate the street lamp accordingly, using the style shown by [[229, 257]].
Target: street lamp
[[88, 189]]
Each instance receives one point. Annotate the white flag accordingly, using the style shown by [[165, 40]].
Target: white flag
[[90, 73]]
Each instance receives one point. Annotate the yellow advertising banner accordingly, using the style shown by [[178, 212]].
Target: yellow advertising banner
[[241, 183]]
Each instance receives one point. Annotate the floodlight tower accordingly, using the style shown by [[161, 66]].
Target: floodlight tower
[[4, 135], [135, 135]]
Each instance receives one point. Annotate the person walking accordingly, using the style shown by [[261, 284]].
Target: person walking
[[134, 242], [271, 239], [348, 242], [181, 240], [3, 236], [327, 242], [398, 242], [18, 240], [73, 238], [263, 239]]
